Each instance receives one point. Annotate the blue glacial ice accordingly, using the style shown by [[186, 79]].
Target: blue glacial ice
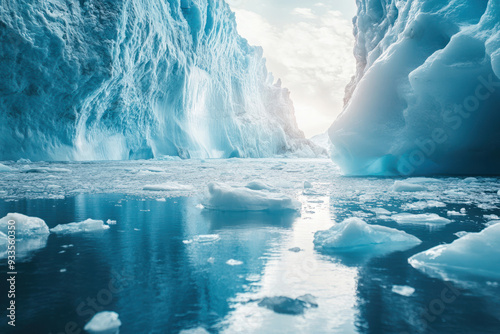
[[426, 94], [114, 80]]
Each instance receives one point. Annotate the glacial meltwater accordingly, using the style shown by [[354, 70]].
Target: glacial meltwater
[[167, 262]]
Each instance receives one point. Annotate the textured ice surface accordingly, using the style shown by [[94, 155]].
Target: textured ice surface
[[4, 168], [223, 197], [474, 254], [104, 322], [431, 219], [25, 226], [172, 186], [89, 225], [98, 80], [355, 235], [426, 94], [403, 290]]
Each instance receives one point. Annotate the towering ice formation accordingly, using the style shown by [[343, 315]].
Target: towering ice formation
[[426, 96], [116, 79]]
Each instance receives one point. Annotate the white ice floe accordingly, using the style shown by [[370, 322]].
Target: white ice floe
[[420, 219], [226, 198], [4, 168], [89, 225], [456, 213], [403, 290], [381, 212], [354, 234], [404, 186], [474, 254], [106, 322], [233, 262], [170, 186], [111, 222], [422, 205], [203, 239], [491, 217], [24, 226]]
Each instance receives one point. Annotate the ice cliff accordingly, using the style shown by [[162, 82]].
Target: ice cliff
[[426, 95], [127, 79]]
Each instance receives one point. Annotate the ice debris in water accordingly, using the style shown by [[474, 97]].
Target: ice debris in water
[[353, 235], [105, 322], [111, 222], [170, 186], [223, 197], [203, 239], [286, 305], [233, 262], [403, 290], [404, 186], [422, 205], [474, 253], [88, 225], [4, 168], [25, 226], [462, 212], [420, 219]]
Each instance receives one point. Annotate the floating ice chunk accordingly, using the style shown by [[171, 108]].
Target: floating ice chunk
[[203, 239], [258, 185], [403, 290], [422, 205], [354, 234], [171, 186], [461, 234], [455, 213], [105, 322], [111, 222], [424, 218], [25, 226], [88, 225], [286, 305], [226, 198], [307, 185], [380, 212], [162, 199], [491, 217], [197, 330], [295, 249], [4, 168], [63, 270], [403, 186], [475, 254], [233, 262]]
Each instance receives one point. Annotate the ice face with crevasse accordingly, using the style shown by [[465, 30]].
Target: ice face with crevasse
[[426, 93], [115, 80]]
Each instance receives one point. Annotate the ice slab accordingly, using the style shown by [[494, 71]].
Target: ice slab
[[105, 322], [405, 186], [170, 186], [223, 197], [24, 226], [403, 290], [89, 225], [420, 219]]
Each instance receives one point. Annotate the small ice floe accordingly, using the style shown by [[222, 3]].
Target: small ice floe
[[461, 234], [286, 305], [106, 322], [307, 185], [25, 226], [422, 205], [62, 252], [420, 219], [403, 290], [258, 185], [4, 168], [233, 262], [491, 217], [462, 212], [295, 249], [170, 186], [111, 222], [67, 246], [203, 239], [355, 235], [89, 225], [403, 186], [474, 254], [223, 197], [162, 199], [211, 260], [63, 270], [197, 330], [381, 213]]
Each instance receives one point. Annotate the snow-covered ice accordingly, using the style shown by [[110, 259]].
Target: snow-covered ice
[[403, 290], [105, 322], [89, 225], [473, 254], [223, 197], [355, 235], [233, 262], [431, 219]]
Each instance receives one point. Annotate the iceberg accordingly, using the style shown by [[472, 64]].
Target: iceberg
[[355, 235], [117, 80], [104, 322], [472, 254], [89, 225], [223, 197], [425, 96]]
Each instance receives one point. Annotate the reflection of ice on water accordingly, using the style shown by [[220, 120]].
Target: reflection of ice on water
[[293, 274]]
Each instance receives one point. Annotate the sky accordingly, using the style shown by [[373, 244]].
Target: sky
[[309, 45]]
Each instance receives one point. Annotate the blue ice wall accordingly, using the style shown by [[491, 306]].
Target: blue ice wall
[[426, 96], [127, 79]]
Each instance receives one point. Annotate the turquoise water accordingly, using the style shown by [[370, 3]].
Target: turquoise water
[[159, 277]]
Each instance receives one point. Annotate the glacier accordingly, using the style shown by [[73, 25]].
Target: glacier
[[118, 80], [426, 93]]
